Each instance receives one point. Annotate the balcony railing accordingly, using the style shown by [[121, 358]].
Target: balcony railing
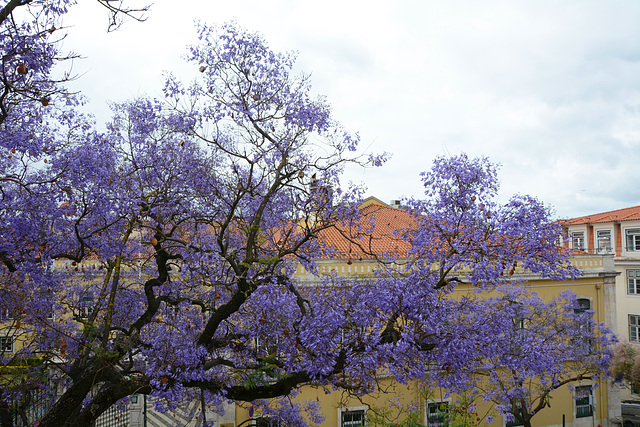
[[618, 250]]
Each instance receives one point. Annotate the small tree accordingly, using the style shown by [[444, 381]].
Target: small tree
[[625, 366]]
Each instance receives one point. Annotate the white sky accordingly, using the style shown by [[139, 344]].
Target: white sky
[[549, 89]]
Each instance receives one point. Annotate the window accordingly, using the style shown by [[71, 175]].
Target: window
[[577, 240], [584, 304], [352, 417], [633, 281], [49, 312], [584, 399], [46, 305], [437, 414], [604, 241], [85, 307], [633, 239], [7, 306], [6, 345], [519, 319], [634, 328], [511, 421], [265, 347], [350, 332]]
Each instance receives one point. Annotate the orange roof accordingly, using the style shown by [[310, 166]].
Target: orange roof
[[357, 240], [619, 215]]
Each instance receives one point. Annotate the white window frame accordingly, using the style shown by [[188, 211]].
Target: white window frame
[[577, 240], [633, 281], [7, 344], [604, 241], [634, 327], [632, 239], [341, 411], [426, 410]]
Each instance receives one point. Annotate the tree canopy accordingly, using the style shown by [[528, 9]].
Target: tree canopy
[[157, 257]]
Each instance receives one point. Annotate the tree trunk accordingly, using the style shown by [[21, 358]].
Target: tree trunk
[[65, 410]]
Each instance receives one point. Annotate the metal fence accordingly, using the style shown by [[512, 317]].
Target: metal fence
[[34, 406]]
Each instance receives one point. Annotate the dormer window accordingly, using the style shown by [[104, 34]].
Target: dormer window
[[633, 239], [577, 240], [604, 241]]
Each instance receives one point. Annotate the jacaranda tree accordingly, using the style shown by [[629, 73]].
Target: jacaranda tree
[[158, 257], [35, 112], [538, 347]]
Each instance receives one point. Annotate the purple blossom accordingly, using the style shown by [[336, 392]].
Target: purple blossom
[[160, 255]]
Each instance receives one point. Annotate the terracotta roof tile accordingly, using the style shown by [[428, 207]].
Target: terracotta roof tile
[[619, 215], [359, 241]]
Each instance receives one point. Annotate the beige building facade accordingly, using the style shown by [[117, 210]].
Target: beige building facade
[[617, 233]]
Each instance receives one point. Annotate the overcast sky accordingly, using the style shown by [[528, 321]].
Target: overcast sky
[[548, 89]]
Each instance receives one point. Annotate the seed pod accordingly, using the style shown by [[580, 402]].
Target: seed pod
[[154, 241], [22, 68]]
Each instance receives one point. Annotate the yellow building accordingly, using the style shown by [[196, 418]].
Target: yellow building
[[595, 290], [358, 259]]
